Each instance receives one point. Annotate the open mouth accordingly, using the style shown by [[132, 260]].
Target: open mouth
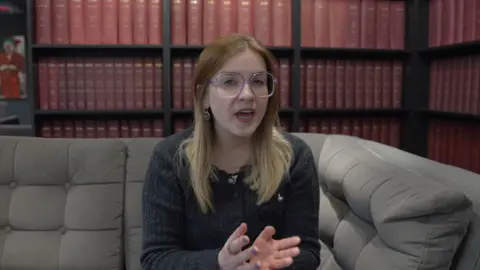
[[245, 115]]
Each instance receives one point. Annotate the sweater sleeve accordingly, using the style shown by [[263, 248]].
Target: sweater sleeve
[[302, 207], [163, 221]]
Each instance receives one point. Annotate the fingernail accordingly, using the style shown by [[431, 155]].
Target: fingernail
[[257, 266], [254, 251], [245, 240]]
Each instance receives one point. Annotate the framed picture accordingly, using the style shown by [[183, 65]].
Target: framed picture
[[12, 68]]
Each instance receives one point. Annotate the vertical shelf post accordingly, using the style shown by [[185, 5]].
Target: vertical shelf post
[[295, 90], [167, 70], [416, 78]]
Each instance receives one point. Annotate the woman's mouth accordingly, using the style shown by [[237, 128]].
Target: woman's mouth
[[245, 116]]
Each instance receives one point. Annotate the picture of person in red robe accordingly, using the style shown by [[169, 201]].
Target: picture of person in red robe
[[11, 64]]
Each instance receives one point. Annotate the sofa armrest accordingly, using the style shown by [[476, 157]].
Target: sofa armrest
[[16, 130], [10, 120]]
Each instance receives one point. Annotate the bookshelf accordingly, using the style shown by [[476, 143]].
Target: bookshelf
[[414, 57], [450, 50]]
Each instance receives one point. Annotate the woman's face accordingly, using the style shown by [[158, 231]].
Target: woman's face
[[238, 95]]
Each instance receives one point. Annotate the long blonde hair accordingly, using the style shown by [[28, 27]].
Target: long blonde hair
[[272, 153]]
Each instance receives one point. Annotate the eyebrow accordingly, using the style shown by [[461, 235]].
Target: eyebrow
[[241, 72]]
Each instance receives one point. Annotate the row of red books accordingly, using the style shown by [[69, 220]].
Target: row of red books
[[98, 22], [456, 144], [369, 24], [455, 84], [200, 22], [453, 21], [102, 128], [351, 83], [383, 130], [100, 83], [113, 128], [182, 75]]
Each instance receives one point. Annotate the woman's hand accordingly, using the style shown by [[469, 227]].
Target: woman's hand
[[274, 254], [232, 257]]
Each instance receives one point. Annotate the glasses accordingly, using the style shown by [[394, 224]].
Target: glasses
[[230, 84]]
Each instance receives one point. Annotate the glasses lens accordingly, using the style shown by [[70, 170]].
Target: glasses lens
[[262, 84], [230, 84]]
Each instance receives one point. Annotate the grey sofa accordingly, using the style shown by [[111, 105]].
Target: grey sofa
[[76, 204]]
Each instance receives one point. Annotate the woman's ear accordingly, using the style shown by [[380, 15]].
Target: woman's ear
[[206, 101]]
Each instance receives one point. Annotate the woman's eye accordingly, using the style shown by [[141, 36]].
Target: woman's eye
[[230, 82], [259, 82]]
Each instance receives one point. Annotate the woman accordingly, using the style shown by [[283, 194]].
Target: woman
[[216, 194]]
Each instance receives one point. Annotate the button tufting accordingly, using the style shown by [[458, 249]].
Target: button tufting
[[63, 230], [8, 229], [13, 184], [67, 185]]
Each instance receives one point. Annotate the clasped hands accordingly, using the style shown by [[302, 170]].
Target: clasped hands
[[265, 253]]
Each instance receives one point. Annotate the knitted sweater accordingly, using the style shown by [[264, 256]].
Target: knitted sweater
[[178, 236]]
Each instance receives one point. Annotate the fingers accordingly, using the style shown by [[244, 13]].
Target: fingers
[[249, 266], [288, 242], [280, 263], [241, 230], [237, 245], [290, 252], [267, 233], [244, 256]]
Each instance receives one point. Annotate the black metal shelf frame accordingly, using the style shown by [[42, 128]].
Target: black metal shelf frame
[[415, 81]]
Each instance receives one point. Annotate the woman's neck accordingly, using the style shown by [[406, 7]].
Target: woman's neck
[[231, 156]]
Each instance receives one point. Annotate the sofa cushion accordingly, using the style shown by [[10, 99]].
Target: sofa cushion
[[397, 219], [467, 182], [61, 203], [139, 152]]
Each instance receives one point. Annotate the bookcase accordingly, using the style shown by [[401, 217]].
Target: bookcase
[[351, 67], [451, 53]]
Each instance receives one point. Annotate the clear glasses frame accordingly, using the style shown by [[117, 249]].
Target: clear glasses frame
[[235, 90]]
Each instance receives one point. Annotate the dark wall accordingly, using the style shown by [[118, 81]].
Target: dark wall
[[16, 24]]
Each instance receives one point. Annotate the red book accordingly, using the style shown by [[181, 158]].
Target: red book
[[77, 22], [353, 26], [187, 83], [194, 22], [262, 21], [125, 22], [155, 22], [53, 84], [43, 84], [62, 84], [318, 23], [140, 19], [282, 22], [382, 32], [177, 98], [139, 81], [43, 21], [210, 25], [338, 23], [179, 22], [93, 22], [227, 14], [158, 83], [245, 17], [367, 24], [149, 83], [60, 22], [397, 25], [110, 22]]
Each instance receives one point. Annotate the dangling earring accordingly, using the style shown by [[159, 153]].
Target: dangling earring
[[206, 115]]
